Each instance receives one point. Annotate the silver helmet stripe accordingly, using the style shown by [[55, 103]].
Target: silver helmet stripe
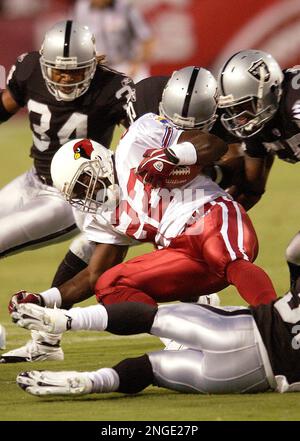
[[67, 38], [186, 104]]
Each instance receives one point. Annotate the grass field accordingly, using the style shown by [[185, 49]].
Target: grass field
[[276, 219]]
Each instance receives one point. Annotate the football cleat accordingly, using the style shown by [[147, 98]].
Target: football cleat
[[33, 351], [55, 383], [38, 318]]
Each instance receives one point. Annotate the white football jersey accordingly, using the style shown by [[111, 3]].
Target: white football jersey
[[144, 213]]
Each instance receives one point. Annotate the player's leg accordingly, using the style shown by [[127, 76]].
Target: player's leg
[[231, 360], [129, 376], [293, 261], [229, 245], [33, 215], [160, 276]]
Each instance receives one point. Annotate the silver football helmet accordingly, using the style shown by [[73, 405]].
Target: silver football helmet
[[68, 60], [190, 98], [250, 91], [83, 171]]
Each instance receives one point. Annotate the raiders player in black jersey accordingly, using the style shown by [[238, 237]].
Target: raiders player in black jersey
[[260, 106], [246, 350], [69, 93]]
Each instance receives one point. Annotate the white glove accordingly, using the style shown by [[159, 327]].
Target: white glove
[[38, 318], [55, 383]]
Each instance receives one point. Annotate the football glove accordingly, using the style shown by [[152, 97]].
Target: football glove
[[157, 165], [24, 297], [37, 318]]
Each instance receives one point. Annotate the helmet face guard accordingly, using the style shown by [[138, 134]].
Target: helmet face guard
[[88, 190], [243, 118], [76, 88]]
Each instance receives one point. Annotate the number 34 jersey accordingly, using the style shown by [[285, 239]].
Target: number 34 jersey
[[53, 123]]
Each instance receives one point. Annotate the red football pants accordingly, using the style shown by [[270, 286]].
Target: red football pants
[[194, 264]]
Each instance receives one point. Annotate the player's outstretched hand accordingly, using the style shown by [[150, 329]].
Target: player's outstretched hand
[[38, 318], [42, 383], [24, 297]]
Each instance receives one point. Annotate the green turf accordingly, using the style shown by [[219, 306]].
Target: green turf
[[276, 219]]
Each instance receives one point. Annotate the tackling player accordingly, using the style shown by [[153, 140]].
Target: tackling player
[[237, 355], [260, 105]]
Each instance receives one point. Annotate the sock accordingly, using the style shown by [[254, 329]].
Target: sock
[[90, 318], [51, 297], [68, 268], [252, 283], [135, 374], [104, 380]]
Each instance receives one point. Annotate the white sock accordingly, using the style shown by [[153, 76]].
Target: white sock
[[90, 318], [104, 380], [51, 297]]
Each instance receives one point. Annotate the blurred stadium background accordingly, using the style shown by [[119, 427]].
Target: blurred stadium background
[[202, 32]]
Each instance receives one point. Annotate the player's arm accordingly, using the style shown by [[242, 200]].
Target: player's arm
[[192, 147], [252, 184], [8, 106], [81, 286]]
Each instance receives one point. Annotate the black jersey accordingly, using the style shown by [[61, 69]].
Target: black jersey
[[279, 325], [281, 135], [53, 123], [146, 97]]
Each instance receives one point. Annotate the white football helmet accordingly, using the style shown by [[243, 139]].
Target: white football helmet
[[83, 171], [250, 90], [68, 47], [190, 98]]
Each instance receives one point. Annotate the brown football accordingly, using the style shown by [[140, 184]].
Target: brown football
[[182, 175]]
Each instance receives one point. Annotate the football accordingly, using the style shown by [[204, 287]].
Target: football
[[182, 175]]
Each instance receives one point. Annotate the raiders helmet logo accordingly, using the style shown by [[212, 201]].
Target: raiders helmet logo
[[255, 70]]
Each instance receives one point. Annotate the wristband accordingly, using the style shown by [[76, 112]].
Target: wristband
[[185, 152], [51, 297]]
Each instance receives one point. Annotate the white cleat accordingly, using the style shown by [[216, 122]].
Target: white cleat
[[38, 318], [55, 383], [33, 351]]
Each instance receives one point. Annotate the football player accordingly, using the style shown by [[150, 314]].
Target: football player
[[69, 93], [237, 355], [260, 105]]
